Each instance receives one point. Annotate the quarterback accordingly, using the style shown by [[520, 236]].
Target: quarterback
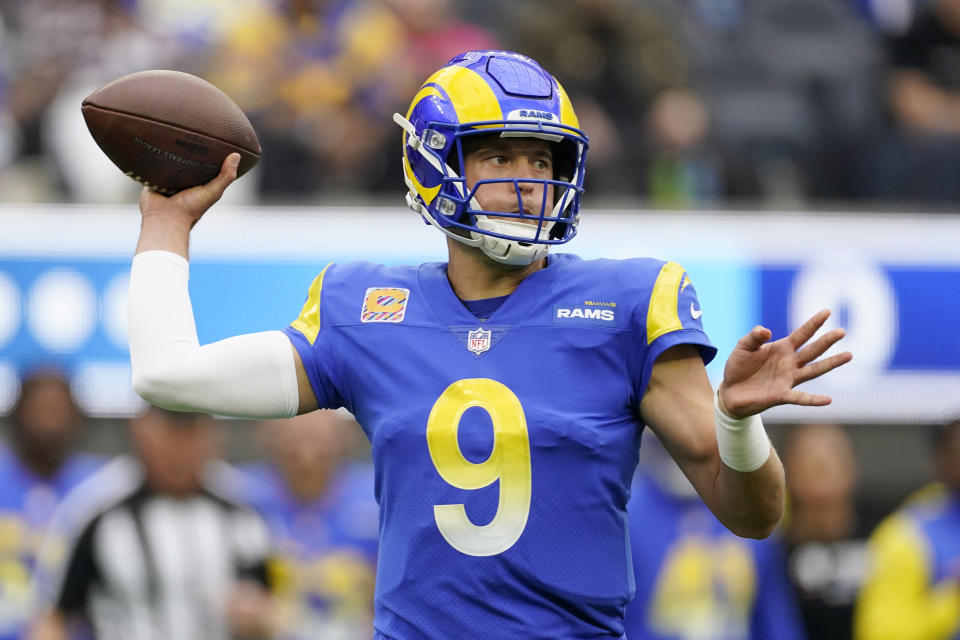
[[504, 391]]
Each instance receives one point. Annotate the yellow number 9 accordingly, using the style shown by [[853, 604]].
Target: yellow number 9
[[509, 462]]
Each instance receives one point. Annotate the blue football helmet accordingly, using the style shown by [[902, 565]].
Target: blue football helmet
[[492, 93]]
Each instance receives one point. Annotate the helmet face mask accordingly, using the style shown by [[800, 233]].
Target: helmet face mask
[[503, 94]]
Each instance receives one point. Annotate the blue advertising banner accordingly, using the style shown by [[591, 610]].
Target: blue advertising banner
[[892, 283], [917, 332]]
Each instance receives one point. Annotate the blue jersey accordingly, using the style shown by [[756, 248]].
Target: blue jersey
[[326, 550], [698, 581], [27, 505], [503, 449]]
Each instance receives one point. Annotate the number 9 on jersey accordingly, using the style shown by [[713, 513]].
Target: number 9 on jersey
[[509, 462]]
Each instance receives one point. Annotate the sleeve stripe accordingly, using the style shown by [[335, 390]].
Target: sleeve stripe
[[662, 316], [308, 322]]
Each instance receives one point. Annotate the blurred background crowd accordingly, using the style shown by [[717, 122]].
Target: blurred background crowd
[[689, 104]]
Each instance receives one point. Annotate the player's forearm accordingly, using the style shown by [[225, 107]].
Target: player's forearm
[[166, 232], [750, 504]]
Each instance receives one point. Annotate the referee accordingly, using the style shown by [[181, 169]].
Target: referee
[[159, 551]]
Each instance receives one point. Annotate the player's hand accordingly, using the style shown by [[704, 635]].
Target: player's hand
[[189, 205], [761, 374]]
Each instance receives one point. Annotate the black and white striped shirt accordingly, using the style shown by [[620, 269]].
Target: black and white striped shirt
[[144, 566]]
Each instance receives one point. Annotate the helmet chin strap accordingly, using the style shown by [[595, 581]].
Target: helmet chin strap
[[511, 252]]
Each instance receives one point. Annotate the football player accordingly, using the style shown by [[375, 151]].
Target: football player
[[320, 507], [38, 468], [695, 579], [912, 590], [503, 391]]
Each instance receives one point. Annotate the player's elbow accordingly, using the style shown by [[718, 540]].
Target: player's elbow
[[758, 530], [757, 516], [758, 521], [157, 384]]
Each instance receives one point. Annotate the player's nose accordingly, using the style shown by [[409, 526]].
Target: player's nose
[[525, 172], [526, 167]]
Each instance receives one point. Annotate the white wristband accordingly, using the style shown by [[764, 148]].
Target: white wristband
[[744, 445]]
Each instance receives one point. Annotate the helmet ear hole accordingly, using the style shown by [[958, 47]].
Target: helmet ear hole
[[558, 231], [453, 159], [564, 160]]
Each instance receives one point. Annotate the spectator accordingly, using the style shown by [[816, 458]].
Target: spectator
[[925, 82], [320, 80], [432, 33], [912, 591], [695, 579], [9, 133], [790, 88], [37, 468], [320, 505], [308, 73], [681, 168], [615, 57], [160, 548], [61, 50], [826, 536], [924, 101]]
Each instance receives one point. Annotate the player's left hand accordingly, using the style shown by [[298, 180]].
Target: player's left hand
[[761, 374]]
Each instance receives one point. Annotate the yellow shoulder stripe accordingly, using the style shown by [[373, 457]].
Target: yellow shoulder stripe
[[662, 316], [308, 322]]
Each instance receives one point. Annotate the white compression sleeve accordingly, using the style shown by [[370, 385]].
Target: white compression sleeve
[[250, 376], [744, 445]]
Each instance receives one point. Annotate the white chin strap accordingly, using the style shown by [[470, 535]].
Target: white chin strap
[[511, 252]]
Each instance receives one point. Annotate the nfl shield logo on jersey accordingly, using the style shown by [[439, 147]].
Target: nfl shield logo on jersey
[[478, 341]]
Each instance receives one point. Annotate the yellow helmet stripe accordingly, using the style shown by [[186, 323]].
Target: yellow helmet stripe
[[567, 116], [425, 91], [427, 193], [475, 101]]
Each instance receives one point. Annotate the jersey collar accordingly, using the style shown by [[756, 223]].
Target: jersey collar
[[451, 311]]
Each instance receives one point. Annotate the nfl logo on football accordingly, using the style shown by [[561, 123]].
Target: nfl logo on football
[[478, 341]]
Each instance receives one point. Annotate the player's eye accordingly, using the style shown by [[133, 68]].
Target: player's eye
[[542, 165]]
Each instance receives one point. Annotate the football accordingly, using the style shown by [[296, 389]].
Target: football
[[169, 130]]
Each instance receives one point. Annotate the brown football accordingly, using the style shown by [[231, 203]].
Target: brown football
[[169, 130]]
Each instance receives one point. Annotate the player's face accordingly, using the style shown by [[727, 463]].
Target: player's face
[[820, 464], [494, 158], [308, 449], [47, 414]]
